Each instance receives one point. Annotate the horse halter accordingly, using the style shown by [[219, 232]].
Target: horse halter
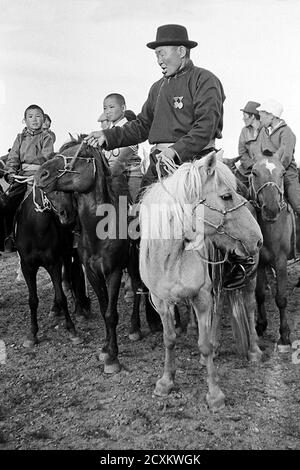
[[67, 162], [254, 193], [220, 229]]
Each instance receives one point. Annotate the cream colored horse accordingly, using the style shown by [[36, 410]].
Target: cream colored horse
[[184, 218]]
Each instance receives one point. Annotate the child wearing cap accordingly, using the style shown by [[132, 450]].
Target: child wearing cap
[[280, 140]]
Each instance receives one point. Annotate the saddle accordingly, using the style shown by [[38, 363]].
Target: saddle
[[16, 193]]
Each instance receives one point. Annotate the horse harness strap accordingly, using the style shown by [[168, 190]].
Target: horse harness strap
[[67, 169], [255, 193], [220, 228]]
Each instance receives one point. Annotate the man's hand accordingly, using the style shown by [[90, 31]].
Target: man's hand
[[95, 139], [166, 158]]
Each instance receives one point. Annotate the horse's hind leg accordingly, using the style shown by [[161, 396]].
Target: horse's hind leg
[[78, 283], [260, 293], [135, 323], [61, 300], [30, 278], [284, 343], [202, 305], [165, 384], [152, 316]]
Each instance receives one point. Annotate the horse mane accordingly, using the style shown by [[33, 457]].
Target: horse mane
[[173, 200], [102, 166]]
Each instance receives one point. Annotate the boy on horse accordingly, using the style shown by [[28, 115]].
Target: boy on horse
[[32, 147], [280, 141], [122, 161]]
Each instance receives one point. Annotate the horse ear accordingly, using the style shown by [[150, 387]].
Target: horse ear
[[210, 163], [71, 137]]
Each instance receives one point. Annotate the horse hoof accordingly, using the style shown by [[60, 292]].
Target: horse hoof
[[216, 402], [162, 389], [136, 336], [284, 348], [75, 339], [254, 356], [113, 368], [30, 343], [102, 356]]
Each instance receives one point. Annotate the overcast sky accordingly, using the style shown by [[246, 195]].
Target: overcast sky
[[67, 55]]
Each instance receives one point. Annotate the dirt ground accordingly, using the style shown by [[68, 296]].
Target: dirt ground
[[56, 396]]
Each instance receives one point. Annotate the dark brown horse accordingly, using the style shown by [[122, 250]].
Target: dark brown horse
[[42, 241], [104, 244], [276, 221]]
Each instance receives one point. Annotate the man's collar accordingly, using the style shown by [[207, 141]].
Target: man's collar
[[187, 66]]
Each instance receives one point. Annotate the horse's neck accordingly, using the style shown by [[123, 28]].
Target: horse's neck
[[100, 197], [28, 216]]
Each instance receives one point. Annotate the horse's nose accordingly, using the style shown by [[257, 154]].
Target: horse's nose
[[270, 213]]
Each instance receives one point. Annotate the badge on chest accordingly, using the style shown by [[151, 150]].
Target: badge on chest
[[178, 103]]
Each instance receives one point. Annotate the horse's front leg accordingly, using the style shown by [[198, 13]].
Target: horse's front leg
[[29, 273], [165, 384], [254, 353], [284, 343], [60, 300], [203, 306], [111, 361]]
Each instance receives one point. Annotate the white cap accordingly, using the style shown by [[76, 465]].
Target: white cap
[[272, 107]]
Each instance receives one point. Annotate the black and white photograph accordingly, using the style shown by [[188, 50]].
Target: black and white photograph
[[150, 229]]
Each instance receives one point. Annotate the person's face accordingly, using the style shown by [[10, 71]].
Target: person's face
[[266, 118], [248, 118], [113, 110], [169, 58], [34, 119], [46, 124]]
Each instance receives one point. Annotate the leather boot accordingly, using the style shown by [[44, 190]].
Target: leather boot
[[237, 271]]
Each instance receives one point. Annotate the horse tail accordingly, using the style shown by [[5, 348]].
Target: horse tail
[[239, 321]]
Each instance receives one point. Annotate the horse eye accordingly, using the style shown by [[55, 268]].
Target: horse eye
[[226, 197], [254, 173]]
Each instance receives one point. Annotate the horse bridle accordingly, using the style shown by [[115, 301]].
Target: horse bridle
[[67, 169], [254, 193], [220, 229]]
